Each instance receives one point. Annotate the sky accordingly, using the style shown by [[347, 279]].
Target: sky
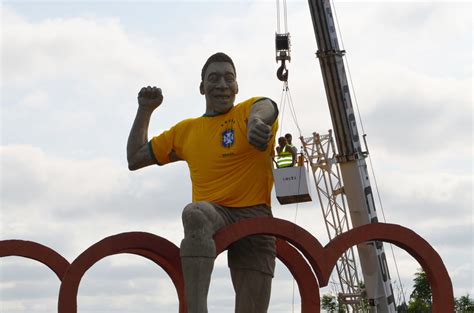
[[70, 74]]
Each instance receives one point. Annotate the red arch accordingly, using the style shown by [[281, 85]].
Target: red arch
[[297, 236], [159, 250], [297, 265], [408, 240], [35, 251], [304, 276], [324, 260], [166, 254]]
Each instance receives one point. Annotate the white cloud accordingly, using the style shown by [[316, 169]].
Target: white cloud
[[29, 173], [419, 114], [98, 49], [79, 202]]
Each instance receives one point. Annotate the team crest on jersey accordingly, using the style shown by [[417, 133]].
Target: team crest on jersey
[[228, 138]]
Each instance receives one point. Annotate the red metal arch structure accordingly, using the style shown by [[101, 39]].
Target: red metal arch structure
[[157, 249], [293, 243], [324, 259], [35, 251], [166, 255]]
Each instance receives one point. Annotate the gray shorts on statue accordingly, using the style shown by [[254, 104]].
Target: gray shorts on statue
[[254, 252]]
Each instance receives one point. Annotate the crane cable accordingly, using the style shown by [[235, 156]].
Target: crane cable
[[370, 159], [286, 99], [282, 45], [285, 16]]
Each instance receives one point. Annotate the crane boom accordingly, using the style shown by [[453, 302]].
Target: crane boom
[[351, 157]]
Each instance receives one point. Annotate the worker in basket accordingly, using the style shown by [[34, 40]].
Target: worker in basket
[[286, 156], [299, 157], [289, 139]]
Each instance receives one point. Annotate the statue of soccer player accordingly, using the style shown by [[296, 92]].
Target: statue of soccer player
[[229, 153]]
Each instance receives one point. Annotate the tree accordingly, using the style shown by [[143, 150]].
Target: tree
[[417, 306], [421, 297], [464, 304], [329, 303]]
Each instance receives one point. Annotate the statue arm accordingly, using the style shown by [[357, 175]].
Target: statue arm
[[262, 115], [264, 109], [138, 153]]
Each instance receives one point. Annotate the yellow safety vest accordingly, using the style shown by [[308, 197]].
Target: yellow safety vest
[[284, 158]]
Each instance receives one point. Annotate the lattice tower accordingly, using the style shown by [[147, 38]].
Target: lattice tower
[[320, 152]]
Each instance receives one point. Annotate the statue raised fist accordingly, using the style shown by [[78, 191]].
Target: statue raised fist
[[150, 98]]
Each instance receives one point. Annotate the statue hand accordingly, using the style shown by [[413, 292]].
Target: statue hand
[[258, 133], [150, 98]]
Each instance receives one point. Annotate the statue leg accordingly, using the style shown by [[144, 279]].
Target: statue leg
[[252, 263], [198, 252], [252, 290]]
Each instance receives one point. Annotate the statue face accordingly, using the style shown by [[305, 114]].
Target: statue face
[[219, 87]]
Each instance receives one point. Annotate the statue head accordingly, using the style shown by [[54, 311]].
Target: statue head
[[218, 84]]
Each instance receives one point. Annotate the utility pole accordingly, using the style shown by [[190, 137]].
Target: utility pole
[[351, 158]]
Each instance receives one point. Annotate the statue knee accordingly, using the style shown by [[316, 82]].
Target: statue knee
[[198, 231], [196, 221]]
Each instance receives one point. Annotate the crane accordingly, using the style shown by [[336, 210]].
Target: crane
[[350, 157]]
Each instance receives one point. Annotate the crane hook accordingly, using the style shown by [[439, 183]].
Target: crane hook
[[282, 72]]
